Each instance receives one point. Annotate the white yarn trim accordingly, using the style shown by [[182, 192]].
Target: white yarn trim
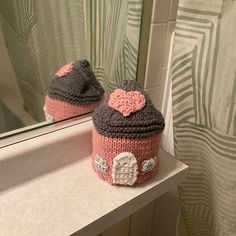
[[101, 164], [125, 169], [148, 165]]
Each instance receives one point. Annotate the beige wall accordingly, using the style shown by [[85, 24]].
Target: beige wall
[[159, 217]]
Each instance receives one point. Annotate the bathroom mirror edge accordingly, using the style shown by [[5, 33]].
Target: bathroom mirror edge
[[43, 130], [143, 40]]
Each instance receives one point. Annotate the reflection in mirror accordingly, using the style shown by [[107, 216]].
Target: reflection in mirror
[[37, 38], [73, 91]]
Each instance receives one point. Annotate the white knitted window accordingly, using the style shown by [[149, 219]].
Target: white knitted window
[[48, 117], [148, 165], [125, 169], [101, 164]]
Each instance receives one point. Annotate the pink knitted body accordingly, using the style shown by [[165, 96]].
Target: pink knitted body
[[60, 110], [143, 149]]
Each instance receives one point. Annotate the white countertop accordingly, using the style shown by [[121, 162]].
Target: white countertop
[[73, 199]]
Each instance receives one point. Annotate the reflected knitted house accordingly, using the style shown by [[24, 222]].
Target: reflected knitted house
[[73, 91]]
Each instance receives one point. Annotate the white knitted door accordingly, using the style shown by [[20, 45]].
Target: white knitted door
[[125, 169]]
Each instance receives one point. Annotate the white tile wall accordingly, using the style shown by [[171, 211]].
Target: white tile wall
[[170, 30], [173, 10], [165, 209], [153, 94], [164, 71], [162, 27], [161, 10], [155, 55]]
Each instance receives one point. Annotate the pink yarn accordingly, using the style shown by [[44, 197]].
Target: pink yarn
[[126, 102], [64, 70], [60, 110], [109, 148]]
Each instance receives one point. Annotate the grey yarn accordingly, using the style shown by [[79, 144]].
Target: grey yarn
[[141, 124], [78, 86]]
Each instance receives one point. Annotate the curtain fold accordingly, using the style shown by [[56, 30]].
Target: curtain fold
[[42, 36], [204, 114]]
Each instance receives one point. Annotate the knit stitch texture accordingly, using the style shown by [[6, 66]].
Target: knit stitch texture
[[143, 149], [126, 136], [76, 84], [140, 124], [60, 110], [126, 102]]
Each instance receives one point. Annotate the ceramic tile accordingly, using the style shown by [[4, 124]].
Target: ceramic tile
[[155, 55], [162, 87], [161, 10], [173, 10], [170, 30], [153, 94]]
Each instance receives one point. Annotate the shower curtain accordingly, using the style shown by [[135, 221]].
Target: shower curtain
[[41, 36], [204, 114]]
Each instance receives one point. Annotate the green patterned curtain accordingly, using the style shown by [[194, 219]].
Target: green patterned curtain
[[115, 40], [42, 36], [204, 114]]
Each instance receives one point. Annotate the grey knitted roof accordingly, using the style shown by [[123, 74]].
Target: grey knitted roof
[[79, 86], [143, 123]]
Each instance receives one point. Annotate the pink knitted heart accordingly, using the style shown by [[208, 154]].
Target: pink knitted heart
[[64, 70], [126, 102]]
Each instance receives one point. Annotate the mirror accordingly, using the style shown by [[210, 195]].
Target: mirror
[[37, 38]]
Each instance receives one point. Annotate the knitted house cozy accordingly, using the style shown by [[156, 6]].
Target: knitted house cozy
[[73, 91], [126, 136]]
